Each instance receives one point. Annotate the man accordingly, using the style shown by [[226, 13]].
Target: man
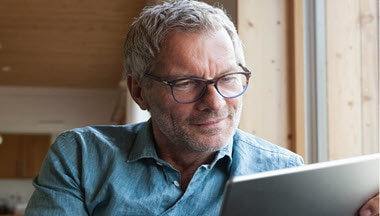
[[185, 65]]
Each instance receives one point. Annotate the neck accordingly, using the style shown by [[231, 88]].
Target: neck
[[182, 160], [185, 162]]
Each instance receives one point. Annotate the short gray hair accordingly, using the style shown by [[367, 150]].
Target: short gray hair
[[143, 41]]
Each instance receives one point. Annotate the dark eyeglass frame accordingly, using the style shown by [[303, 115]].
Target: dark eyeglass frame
[[214, 81]]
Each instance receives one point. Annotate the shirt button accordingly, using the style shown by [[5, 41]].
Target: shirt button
[[176, 183], [206, 166]]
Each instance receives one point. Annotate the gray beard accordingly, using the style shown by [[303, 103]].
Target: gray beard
[[183, 140]]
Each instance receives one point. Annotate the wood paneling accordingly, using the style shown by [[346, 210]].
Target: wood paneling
[[370, 90], [353, 77], [21, 155], [263, 26], [274, 103], [297, 76], [64, 43], [9, 153], [343, 75]]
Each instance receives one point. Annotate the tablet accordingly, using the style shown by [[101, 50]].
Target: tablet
[[338, 187]]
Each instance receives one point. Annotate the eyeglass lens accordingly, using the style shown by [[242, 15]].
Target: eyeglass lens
[[191, 90]]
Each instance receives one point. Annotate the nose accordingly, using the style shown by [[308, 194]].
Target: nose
[[212, 99]]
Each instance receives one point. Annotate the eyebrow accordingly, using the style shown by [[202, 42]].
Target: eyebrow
[[188, 76]]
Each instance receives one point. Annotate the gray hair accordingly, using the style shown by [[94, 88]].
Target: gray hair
[[143, 42]]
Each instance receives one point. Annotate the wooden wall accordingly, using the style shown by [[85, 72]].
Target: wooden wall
[[262, 26], [69, 44], [271, 31], [353, 76]]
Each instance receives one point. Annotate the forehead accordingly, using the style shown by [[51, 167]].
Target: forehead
[[197, 52]]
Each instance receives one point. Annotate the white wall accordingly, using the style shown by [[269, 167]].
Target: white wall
[[16, 190], [53, 110]]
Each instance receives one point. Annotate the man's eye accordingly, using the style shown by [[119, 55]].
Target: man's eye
[[188, 83], [229, 78]]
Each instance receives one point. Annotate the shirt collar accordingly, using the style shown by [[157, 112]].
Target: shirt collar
[[143, 146], [225, 152]]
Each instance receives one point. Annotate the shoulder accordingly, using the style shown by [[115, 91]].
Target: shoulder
[[98, 138], [254, 154], [104, 130], [81, 149]]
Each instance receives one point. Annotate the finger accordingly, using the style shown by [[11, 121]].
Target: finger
[[371, 207]]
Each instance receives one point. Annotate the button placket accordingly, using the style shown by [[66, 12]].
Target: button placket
[[172, 176]]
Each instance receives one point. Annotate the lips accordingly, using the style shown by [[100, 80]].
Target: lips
[[209, 122]]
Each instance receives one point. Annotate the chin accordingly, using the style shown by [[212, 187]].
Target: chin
[[211, 144], [207, 149]]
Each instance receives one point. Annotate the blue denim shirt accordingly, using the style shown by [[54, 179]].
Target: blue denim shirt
[[115, 170]]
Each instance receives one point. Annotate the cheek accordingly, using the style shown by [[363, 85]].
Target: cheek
[[158, 97], [161, 102], [236, 106], [235, 103]]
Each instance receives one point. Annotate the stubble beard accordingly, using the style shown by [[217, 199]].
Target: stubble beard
[[209, 140]]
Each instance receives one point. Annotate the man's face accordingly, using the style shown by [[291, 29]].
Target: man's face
[[209, 123]]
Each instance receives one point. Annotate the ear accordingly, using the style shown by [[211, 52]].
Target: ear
[[137, 92]]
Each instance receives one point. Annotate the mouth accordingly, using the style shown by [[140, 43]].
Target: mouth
[[211, 125], [209, 122]]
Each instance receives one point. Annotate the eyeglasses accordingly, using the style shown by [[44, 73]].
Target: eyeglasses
[[190, 90]]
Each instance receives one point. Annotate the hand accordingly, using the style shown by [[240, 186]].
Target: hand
[[370, 208]]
